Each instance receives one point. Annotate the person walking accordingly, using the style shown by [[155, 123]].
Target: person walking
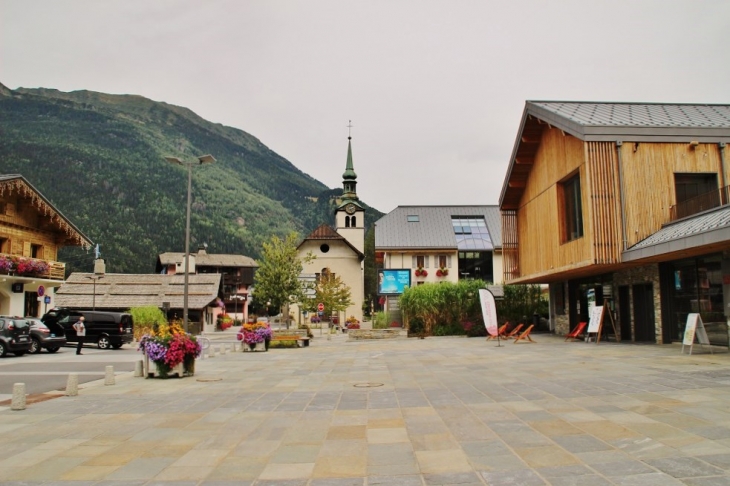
[[80, 329]]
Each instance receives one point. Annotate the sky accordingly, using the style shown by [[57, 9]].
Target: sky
[[435, 89]]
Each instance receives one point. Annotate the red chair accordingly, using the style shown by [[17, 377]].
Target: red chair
[[576, 332]]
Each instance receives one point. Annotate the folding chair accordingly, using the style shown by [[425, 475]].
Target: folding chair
[[514, 332], [576, 332], [525, 335], [501, 332]]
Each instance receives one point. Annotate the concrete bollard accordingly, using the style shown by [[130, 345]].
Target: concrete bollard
[[18, 401], [139, 369], [72, 385], [109, 376], [216, 351]]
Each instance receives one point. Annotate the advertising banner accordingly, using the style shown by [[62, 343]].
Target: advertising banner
[[392, 281], [489, 311]]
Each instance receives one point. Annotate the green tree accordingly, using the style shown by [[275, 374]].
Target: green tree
[[277, 278], [371, 276], [331, 291]]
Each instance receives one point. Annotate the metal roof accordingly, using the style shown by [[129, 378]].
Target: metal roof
[[123, 291], [711, 227], [434, 228]]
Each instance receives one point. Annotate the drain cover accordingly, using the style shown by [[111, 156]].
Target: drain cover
[[367, 385], [205, 380]]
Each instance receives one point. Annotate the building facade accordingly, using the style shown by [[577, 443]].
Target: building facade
[[623, 205], [32, 231]]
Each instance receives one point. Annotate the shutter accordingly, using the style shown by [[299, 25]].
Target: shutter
[[26, 248], [448, 261], [415, 262], [425, 262]]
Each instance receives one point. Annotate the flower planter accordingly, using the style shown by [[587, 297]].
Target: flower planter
[[177, 372], [260, 346]]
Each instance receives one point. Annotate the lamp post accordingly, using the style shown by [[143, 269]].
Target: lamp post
[[203, 159], [236, 297]]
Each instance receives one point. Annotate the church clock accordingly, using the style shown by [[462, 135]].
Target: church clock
[[350, 209]]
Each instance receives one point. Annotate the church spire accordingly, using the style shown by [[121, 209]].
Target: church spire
[[349, 178]]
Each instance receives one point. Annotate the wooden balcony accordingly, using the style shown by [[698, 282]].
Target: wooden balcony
[[703, 202], [31, 267]]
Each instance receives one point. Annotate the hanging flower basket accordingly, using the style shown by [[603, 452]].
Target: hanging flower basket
[[442, 272], [420, 272]]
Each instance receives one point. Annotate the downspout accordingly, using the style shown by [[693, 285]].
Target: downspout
[[621, 194], [723, 192]]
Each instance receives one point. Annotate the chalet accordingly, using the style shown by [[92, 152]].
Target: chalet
[[236, 277], [622, 204], [32, 231]]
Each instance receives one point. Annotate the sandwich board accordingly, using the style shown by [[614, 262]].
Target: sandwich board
[[695, 327], [595, 323]]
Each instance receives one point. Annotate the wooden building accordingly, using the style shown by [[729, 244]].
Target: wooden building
[[624, 204], [32, 231]]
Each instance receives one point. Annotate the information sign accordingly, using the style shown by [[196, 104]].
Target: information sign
[[694, 327], [594, 322], [47, 299]]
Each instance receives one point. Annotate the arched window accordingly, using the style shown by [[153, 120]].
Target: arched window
[[354, 221], [347, 221]]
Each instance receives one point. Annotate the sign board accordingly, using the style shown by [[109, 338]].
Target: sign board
[[17, 288], [320, 307], [393, 281], [309, 281], [594, 322], [694, 327], [47, 299], [41, 290], [489, 311]]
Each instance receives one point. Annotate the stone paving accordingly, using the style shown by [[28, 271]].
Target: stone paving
[[435, 411]]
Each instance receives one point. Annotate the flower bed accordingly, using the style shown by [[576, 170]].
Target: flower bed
[[252, 333], [169, 348]]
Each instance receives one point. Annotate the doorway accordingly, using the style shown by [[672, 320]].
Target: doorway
[[644, 326], [31, 304], [624, 312]]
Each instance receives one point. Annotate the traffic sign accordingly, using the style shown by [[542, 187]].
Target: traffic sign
[[320, 307], [47, 299], [41, 290]]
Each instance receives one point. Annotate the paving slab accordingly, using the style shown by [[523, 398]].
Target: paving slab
[[406, 412]]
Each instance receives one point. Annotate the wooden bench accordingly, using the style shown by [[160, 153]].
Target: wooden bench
[[298, 335]]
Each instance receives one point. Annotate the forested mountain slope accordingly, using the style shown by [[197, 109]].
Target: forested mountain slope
[[99, 159]]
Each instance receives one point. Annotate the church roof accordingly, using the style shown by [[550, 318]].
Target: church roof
[[349, 168], [325, 232]]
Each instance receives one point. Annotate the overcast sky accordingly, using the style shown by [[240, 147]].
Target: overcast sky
[[435, 89]]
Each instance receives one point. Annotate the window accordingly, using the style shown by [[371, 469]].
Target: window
[[443, 261], [412, 218], [471, 233], [36, 251], [353, 221], [347, 221], [4, 245], [572, 209], [421, 261], [695, 193]]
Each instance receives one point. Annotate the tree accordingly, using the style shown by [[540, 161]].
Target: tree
[[371, 275], [277, 278], [331, 291]]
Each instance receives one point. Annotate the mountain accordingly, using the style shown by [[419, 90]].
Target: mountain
[[99, 159]]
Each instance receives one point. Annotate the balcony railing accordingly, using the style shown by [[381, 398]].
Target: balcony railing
[[31, 267], [703, 202]]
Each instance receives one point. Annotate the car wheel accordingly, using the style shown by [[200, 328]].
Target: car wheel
[[116, 346], [35, 346], [19, 353], [3, 350], [104, 342], [53, 350]]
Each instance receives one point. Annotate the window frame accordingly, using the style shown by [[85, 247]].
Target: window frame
[[571, 208]]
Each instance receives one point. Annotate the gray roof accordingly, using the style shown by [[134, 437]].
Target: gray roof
[[636, 122], [434, 228], [209, 260], [123, 291], [708, 228]]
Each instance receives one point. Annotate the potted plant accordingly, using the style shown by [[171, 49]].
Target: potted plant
[[442, 272], [171, 350], [257, 335], [421, 272], [352, 323]]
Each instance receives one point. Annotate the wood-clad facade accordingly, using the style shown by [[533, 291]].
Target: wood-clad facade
[[596, 202], [32, 231]]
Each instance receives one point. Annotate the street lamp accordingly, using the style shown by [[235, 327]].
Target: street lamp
[[236, 297], [99, 270], [203, 159]]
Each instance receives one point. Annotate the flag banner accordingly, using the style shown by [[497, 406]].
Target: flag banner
[[489, 311]]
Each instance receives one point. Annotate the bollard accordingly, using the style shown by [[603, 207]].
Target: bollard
[[216, 351], [138, 368], [18, 401], [224, 348], [72, 385], [109, 378]]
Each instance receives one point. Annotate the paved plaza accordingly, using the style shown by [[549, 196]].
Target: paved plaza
[[434, 411]]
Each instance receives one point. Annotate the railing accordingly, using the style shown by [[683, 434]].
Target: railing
[[31, 267], [703, 202]]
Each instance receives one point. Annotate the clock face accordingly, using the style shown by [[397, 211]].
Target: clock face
[[350, 208]]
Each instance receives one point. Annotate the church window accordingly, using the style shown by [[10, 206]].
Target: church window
[[324, 248], [347, 221], [353, 221]]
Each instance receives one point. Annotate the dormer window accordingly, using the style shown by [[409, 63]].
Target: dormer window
[[412, 218]]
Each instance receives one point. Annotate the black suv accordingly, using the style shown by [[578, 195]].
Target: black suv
[[106, 329], [14, 336], [49, 337]]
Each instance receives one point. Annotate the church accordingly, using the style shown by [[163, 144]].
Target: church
[[340, 250]]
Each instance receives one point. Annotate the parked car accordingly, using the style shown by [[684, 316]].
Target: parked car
[[14, 336], [106, 329], [49, 337]]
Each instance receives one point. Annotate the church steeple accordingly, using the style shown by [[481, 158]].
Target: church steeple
[[349, 178]]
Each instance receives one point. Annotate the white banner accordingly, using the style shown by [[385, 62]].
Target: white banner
[[489, 311]]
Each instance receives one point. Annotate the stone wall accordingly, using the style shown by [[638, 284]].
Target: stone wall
[[558, 311], [359, 334]]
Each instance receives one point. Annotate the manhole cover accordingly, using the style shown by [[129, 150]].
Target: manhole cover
[[367, 385], [205, 380]]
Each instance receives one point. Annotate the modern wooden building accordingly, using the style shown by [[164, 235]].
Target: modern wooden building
[[624, 204], [32, 231]]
